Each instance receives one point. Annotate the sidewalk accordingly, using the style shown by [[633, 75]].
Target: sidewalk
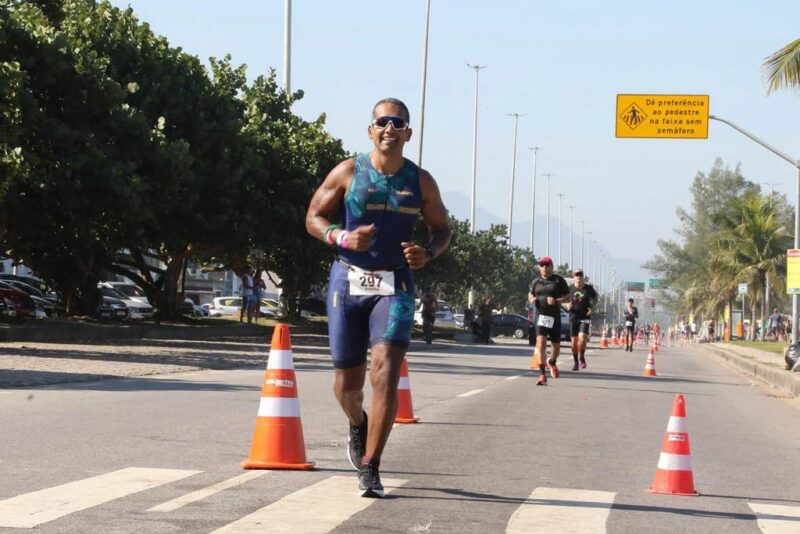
[[764, 366]]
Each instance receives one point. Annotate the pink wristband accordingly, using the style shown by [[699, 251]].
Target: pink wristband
[[343, 243]]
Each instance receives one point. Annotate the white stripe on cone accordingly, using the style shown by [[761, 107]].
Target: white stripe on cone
[[677, 424], [280, 359], [404, 383], [279, 407], [675, 462]]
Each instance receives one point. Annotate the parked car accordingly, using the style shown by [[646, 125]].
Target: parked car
[[444, 313], [42, 307], [112, 309], [313, 307], [232, 306], [136, 308], [507, 324], [18, 304], [130, 290]]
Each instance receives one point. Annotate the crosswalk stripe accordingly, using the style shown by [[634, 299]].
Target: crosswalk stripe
[[561, 510], [316, 509], [32, 509], [200, 494], [471, 393], [776, 518]]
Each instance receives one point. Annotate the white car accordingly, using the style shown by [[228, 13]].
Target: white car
[[444, 313], [232, 306], [130, 290], [137, 308]]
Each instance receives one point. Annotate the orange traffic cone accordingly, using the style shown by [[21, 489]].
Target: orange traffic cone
[[650, 366], [535, 360], [278, 437], [674, 471], [614, 340], [603, 341], [405, 408]]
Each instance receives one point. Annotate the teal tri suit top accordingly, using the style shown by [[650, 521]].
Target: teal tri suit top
[[392, 203]]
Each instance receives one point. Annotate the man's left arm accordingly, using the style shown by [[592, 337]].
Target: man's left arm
[[435, 216]]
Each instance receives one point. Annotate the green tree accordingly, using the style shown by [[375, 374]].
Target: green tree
[[751, 245], [782, 68], [302, 153]]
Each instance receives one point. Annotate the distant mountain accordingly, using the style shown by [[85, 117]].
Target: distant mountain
[[458, 203]]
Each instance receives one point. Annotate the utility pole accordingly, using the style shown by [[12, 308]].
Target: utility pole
[[571, 262], [516, 117], [287, 46], [560, 257], [547, 237], [421, 131], [477, 68], [536, 150]]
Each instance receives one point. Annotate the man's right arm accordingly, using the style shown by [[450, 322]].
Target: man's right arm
[[327, 199]]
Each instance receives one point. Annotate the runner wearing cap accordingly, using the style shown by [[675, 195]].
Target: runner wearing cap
[[582, 299], [548, 292]]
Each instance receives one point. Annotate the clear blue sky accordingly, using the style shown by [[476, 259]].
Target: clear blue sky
[[561, 63]]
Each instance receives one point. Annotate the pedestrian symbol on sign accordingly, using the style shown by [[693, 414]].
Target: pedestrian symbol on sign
[[633, 116]]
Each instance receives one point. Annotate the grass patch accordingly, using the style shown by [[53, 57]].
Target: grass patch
[[767, 346]]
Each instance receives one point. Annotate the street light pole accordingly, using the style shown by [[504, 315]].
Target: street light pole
[[421, 128], [560, 257], [547, 237], [477, 68], [287, 46], [583, 240], [796, 163], [536, 150], [571, 262], [516, 117], [588, 248]]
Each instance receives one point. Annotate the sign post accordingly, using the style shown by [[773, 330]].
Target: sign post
[[743, 292]]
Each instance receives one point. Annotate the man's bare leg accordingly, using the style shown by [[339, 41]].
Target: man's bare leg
[[384, 376]]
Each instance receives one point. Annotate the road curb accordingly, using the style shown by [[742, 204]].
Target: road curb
[[775, 377], [83, 332]]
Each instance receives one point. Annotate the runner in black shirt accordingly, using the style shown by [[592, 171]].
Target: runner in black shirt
[[583, 298], [631, 313], [548, 291]]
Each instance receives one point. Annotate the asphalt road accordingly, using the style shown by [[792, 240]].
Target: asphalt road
[[492, 452]]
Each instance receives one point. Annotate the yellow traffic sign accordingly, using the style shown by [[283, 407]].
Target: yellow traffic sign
[[792, 271], [662, 116]]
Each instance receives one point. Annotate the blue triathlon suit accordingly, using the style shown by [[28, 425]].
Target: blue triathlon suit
[[392, 203]]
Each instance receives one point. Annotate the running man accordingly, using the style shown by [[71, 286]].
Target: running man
[[631, 313], [583, 297], [371, 289], [548, 292]]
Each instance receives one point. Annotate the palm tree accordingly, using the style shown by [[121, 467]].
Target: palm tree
[[752, 245], [782, 68]]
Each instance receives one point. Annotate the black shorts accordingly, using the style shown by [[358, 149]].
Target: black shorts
[[552, 333], [631, 329], [576, 326]]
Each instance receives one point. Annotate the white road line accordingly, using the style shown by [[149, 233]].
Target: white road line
[[200, 494], [776, 518], [316, 509], [32, 509], [560, 510], [471, 393], [513, 377]]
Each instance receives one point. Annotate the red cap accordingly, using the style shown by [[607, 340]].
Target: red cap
[[546, 260]]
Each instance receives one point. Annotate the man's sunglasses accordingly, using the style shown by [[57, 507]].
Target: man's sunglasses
[[398, 123]]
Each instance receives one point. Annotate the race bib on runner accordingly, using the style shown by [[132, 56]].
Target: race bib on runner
[[545, 321], [586, 321], [370, 282], [628, 323]]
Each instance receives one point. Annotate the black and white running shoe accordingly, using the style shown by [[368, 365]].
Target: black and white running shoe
[[357, 443], [369, 482]]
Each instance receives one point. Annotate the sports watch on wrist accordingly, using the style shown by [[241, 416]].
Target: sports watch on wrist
[[429, 251]]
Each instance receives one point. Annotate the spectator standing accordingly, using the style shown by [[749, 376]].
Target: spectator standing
[[246, 294], [259, 288]]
